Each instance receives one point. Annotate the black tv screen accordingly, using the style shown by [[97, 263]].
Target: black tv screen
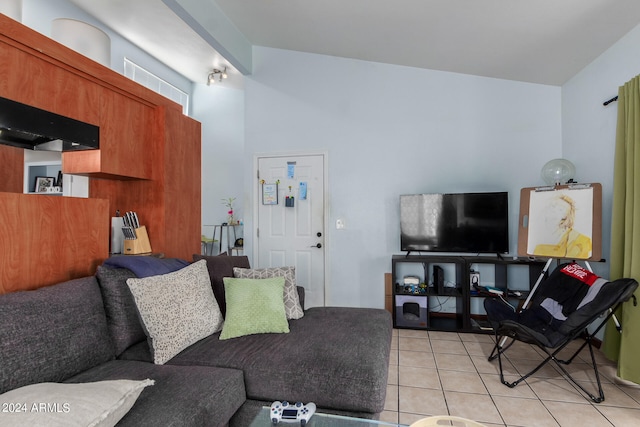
[[455, 222]]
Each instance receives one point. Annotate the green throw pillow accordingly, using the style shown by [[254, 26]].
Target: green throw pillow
[[254, 306]]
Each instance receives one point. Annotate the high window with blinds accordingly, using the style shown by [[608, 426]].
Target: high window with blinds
[[156, 84]]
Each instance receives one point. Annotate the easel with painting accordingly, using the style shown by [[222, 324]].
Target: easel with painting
[[560, 222]]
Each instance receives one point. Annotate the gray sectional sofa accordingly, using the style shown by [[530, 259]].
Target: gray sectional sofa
[[88, 330]]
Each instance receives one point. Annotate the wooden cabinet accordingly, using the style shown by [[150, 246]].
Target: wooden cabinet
[[33, 80], [128, 140], [182, 184], [49, 239], [148, 162], [127, 136], [38, 71]]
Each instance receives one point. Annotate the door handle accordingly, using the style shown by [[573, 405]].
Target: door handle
[[319, 245]]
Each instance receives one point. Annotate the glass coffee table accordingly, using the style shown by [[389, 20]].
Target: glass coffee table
[[321, 420]]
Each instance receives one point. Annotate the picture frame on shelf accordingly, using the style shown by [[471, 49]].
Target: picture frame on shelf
[[43, 183]]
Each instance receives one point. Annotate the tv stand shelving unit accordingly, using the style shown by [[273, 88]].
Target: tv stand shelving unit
[[454, 305]]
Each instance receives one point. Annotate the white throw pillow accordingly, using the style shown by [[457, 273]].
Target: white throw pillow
[[291, 299], [177, 309], [97, 404]]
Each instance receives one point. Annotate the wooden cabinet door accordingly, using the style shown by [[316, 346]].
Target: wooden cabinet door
[[34, 81], [128, 141], [126, 136]]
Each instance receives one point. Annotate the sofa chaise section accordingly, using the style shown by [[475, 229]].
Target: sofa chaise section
[[336, 357], [182, 396]]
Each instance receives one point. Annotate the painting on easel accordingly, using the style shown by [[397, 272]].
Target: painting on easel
[[564, 222]]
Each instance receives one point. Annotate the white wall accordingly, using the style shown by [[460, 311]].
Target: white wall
[[221, 112], [38, 15], [390, 130], [589, 128]]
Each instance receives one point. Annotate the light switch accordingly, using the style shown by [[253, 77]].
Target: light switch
[[340, 224]]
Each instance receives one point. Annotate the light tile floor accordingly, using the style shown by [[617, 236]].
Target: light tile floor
[[437, 373]]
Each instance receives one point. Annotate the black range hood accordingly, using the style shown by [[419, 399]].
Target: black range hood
[[29, 127]]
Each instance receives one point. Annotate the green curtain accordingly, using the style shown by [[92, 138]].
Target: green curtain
[[625, 231]]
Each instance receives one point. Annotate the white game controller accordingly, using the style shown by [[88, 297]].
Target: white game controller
[[291, 413]]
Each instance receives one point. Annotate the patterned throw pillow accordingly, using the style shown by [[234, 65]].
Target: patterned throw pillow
[[254, 306], [177, 309], [291, 298]]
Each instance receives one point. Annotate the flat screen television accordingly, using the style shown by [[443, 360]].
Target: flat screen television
[[455, 222]]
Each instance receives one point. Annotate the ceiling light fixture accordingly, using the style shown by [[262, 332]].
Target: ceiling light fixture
[[216, 74]]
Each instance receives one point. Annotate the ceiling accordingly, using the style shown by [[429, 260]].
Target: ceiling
[[541, 41]]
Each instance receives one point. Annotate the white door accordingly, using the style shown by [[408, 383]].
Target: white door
[[290, 222]]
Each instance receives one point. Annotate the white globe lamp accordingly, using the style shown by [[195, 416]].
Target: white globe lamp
[[558, 171], [86, 39]]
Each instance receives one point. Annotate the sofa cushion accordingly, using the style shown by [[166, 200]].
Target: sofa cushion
[[220, 267], [95, 404], [291, 300], [122, 316], [181, 396], [254, 306], [336, 357], [52, 333], [139, 352], [177, 309]]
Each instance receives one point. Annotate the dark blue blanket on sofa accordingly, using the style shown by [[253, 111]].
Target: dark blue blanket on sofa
[[145, 266]]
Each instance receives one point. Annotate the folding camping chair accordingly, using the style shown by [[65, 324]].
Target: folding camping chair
[[563, 306]]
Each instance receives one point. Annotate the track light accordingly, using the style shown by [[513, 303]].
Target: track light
[[216, 74]]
